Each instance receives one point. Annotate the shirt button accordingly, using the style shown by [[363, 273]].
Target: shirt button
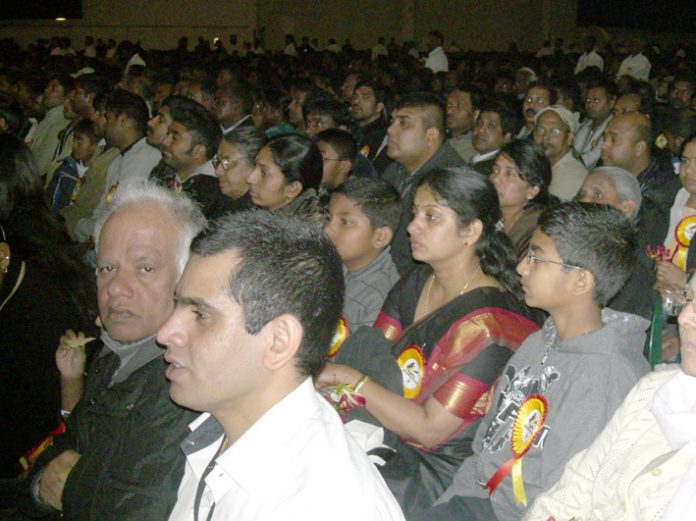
[[656, 472]]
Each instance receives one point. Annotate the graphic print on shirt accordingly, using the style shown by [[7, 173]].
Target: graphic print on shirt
[[516, 387]]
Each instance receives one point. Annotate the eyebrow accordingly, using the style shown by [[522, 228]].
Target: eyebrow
[[535, 249], [193, 302]]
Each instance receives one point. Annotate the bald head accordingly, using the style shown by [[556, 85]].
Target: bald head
[[627, 142]]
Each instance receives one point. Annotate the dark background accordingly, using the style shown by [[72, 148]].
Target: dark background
[[649, 15], [37, 9]]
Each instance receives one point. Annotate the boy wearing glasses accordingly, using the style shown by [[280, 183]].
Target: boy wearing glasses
[[563, 384]]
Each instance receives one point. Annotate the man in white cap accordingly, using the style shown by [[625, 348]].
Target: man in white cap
[[554, 129]]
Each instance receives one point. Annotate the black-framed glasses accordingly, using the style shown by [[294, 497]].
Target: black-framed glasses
[[531, 258], [225, 162]]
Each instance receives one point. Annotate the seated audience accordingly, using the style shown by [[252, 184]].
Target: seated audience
[[268, 289], [338, 152], [362, 216], [444, 334], [287, 177], [494, 127], [642, 465], [521, 175], [270, 112], [562, 386]]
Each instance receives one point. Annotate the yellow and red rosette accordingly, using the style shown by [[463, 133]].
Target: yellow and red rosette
[[683, 234], [529, 421], [339, 337], [412, 364]]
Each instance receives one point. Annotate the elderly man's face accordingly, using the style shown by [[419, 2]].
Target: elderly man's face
[[137, 271], [554, 135]]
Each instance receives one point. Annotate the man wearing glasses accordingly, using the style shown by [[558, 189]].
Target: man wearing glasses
[[599, 103]]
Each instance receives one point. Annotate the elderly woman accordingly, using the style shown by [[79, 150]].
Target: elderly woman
[[643, 465], [619, 188], [234, 162]]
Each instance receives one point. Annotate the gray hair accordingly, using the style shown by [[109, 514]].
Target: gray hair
[[178, 205], [624, 182], [248, 141]]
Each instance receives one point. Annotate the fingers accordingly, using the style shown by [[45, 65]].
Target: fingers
[[53, 478]]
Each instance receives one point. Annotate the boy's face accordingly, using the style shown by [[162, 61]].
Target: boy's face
[[335, 170], [547, 284], [350, 231], [83, 148]]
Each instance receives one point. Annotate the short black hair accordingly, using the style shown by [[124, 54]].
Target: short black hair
[[510, 120], [92, 84], [287, 266], [341, 141], [277, 99], [603, 82], [237, 91], [429, 106], [202, 125], [476, 94], [133, 106], [323, 105], [542, 85], [376, 198], [594, 237], [86, 127]]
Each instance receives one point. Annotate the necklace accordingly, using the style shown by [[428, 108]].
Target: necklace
[[430, 286]]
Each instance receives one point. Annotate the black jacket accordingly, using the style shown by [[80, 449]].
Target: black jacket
[[128, 435]]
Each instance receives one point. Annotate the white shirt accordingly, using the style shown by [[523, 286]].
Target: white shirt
[[589, 59], [484, 157], [637, 66], [588, 143], [437, 60], [296, 463], [225, 131]]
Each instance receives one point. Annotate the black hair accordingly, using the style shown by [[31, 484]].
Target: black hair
[[87, 128], [92, 84], [510, 120], [199, 122], [277, 99], [13, 114], [287, 266], [476, 94], [380, 93], [568, 90], [237, 91], [429, 106], [133, 106], [541, 85], [341, 141], [33, 230], [602, 82], [596, 238], [298, 158], [323, 105], [472, 196], [248, 140], [532, 166], [376, 198]]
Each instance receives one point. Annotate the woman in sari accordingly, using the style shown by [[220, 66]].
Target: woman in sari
[[446, 330]]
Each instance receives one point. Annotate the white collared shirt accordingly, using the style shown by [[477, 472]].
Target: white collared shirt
[[225, 131], [296, 463]]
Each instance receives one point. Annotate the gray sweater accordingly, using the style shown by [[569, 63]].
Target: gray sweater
[[583, 380]]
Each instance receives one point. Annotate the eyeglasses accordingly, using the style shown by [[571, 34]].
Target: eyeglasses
[[551, 132], [226, 163], [531, 258]]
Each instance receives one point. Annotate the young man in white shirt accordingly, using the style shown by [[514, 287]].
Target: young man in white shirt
[[256, 309]]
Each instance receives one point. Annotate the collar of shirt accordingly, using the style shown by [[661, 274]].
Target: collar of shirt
[[230, 129], [483, 157]]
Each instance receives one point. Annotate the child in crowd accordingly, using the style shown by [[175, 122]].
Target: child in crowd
[[562, 386], [65, 184], [339, 149], [362, 217]]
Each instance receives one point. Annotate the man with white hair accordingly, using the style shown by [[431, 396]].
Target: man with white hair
[[554, 129], [119, 457], [620, 188]]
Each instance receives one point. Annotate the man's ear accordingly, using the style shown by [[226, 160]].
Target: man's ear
[[507, 137], [628, 207], [477, 113], [198, 152], [285, 338], [382, 236], [380, 107], [584, 282], [293, 189]]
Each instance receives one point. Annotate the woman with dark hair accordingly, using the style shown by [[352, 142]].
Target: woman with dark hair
[[43, 292], [443, 336], [234, 163], [287, 177], [521, 175]]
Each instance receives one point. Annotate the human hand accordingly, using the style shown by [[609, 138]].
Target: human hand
[[71, 357], [670, 347], [334, 374], [668, 273], [54, 476]]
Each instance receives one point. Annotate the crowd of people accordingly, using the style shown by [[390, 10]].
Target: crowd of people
[[381, 283]]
